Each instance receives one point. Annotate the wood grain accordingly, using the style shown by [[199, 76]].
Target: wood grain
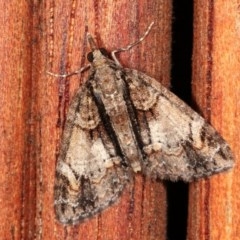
[[213, 207], [40, 36], [17, 178], [141, 210]]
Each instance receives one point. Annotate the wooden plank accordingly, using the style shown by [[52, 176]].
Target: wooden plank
[[213, 206], [140, 212], [17, 169]]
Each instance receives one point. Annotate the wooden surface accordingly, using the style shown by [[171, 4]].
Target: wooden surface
[[17, 170], [51, 36], [214, 202], [141, 211]]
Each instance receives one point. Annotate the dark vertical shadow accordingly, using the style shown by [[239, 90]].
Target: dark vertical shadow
[[177, 193]]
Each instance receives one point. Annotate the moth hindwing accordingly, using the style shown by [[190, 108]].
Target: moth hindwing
[[122, 122]]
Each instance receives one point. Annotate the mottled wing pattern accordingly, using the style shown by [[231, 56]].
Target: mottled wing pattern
[[89, 175], [179, 144]]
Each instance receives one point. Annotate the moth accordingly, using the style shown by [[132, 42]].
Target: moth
[[122, 122]]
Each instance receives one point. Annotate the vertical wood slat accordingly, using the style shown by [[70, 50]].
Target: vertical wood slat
[[140, 212], [213, 207], [17, 169], [34, 105]]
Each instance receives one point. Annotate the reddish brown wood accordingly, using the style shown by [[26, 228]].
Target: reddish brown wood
[[51, 36], [213, 207], [140, 213], [17, 178]]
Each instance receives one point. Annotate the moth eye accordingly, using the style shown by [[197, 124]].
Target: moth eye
[[103, 51], [90, 57]]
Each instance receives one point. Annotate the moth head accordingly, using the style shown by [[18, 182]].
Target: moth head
[[96, 53], [91, 55]]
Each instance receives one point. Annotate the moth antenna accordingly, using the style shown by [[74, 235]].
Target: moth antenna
[[128, 47], [70, 74], [93, 47]]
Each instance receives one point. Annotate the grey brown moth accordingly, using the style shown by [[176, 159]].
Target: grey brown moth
[[121, 122]]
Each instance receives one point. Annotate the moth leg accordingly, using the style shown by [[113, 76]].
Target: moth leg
[[70, 74], [128, 47]]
